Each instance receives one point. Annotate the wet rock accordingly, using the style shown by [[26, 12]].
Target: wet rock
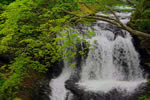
[[79, 93], [41, 91], [144, 56], [117, 31]]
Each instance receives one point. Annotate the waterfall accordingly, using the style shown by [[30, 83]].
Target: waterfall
[[58, 85], [112, 63]]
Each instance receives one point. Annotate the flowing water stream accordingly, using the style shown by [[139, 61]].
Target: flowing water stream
[[112, 62]]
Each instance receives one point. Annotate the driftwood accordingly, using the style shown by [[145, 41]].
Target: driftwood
[[115, 21]]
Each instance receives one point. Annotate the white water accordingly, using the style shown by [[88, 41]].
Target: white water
[[107, 85], [112, 63], [58, 85], [123, 7]]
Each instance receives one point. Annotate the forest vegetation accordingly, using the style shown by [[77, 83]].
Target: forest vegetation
[[34, 35]]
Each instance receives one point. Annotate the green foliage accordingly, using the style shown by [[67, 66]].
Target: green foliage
[[148, 64], [35, 34], [14, 74], [141, 16], [69, 38], [144, 98], [17, 99], [6, 1]]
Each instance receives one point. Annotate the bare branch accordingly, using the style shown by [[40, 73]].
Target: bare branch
[[116, 22], [103, 17]]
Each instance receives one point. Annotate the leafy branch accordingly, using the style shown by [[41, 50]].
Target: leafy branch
[[115, 21]]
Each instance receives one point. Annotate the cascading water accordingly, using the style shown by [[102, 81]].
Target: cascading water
[[112, 63], [57, 85]]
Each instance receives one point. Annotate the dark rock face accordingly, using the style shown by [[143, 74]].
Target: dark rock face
[[80, 93], [56, 69], [117, 31], [42, 90], [144, 56], [79, 61]]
